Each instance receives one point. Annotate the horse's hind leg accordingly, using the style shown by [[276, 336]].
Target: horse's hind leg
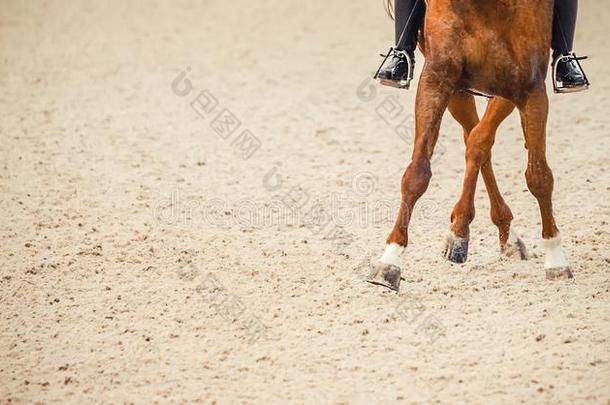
[[463, 109], [534, 112], [478, 158], [433, 93]]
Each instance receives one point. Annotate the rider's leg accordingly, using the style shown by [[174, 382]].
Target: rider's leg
[[567, 71], [564, 25], [409, 19], [406, 30]]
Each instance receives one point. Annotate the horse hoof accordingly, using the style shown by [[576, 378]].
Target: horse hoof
[[559, 273], [456, 248], [514, 247], [385, 275]]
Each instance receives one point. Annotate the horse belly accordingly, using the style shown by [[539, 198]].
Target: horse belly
[[500, 66]]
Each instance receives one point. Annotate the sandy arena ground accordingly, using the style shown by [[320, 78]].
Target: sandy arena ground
[[152, 253]]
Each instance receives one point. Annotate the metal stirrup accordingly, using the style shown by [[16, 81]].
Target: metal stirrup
[[571, 56]]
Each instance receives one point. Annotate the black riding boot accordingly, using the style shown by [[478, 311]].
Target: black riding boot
[[398, 72], [568, 75]]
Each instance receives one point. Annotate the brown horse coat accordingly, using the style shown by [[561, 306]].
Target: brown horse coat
[[500, 48]]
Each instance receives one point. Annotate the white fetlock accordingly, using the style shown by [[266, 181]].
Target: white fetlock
[[556, 263], [391, 254]]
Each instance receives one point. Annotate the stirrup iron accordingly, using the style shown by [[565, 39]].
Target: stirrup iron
[[558, 87], [402, 84]]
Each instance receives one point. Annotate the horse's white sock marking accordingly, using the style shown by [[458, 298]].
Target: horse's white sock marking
[[513, 236], [554, 254], [391, 254]]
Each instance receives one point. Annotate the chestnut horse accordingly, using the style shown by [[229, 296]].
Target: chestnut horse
[[499, 48]]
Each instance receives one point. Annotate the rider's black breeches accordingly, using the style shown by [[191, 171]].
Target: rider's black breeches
[[564, 24], [411, 12]]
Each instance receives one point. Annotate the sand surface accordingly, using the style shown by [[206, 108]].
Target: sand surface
[[150, 252]]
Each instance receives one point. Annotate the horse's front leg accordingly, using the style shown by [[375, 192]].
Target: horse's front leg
[[433, 94]]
